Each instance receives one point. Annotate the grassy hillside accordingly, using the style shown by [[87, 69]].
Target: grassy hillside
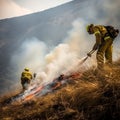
[[92, 97], [50, 26]]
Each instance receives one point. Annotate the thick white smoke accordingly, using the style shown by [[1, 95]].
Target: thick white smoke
[[63, 58], [30, 54], [66, 55]]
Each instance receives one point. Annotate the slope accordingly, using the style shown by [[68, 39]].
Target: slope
[[50, 26], [91, 97]]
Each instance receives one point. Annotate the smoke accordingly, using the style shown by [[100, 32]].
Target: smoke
[[103, 12], [35, 54], [110, 16], [111, 12], [30, 54], [64, 57]]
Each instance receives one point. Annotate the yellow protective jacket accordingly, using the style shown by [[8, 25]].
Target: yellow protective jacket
[[99, 29], [26, 74], [100, 33]]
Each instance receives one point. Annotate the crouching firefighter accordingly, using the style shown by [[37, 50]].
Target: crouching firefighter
[[105, 36], [26, 78]]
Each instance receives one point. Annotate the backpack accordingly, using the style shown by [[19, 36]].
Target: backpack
[[113, 33]]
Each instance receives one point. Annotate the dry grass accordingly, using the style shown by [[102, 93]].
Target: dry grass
[[92, 97]]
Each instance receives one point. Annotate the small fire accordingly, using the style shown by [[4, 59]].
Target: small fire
[[76, 75], [33, 94], [44, 89]]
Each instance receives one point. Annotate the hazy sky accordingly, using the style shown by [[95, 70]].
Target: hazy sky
[[12, 8]]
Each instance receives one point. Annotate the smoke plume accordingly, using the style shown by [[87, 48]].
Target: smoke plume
[[61, 59], [48, 64]]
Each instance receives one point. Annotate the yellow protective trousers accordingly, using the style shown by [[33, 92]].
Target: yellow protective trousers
[[104, 52]]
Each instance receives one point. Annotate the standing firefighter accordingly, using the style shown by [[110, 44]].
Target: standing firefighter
[[105, 36], [26, 77]]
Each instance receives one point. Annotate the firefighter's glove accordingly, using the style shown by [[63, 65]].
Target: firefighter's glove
[[89, 54]]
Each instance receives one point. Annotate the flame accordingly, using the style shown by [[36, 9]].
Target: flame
[[33, 94], [75, 76], [44, 89]]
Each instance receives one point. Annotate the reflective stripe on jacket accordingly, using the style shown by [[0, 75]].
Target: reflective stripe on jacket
[[99, 29]]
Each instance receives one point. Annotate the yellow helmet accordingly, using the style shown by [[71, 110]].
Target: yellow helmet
[[88, 27], [26, 69]]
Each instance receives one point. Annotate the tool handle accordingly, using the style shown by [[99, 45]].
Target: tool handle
[[92, 51]]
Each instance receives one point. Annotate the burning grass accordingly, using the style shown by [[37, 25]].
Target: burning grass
[[91, 97]]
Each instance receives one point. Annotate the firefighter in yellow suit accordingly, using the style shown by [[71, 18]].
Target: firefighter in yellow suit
[[103, 45], [26, 77]]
